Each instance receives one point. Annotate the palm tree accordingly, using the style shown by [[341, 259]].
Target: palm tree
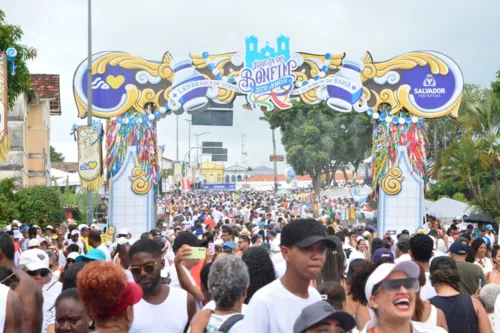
[[485, 126]]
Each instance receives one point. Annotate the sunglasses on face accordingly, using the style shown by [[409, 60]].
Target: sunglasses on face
[[409, 284], [42, 272], [147, 268], [70, 261]]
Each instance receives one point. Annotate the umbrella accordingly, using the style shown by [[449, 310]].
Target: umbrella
[[282, 191], [304, 195], [479, 218]]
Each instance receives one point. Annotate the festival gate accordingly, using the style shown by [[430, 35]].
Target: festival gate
[[132, 94]]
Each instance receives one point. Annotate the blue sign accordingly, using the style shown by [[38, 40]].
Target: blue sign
[[217, 187]]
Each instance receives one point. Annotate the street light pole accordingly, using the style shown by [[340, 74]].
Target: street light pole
[[177, 138], [90, 195], [189, 121], [197, 152]]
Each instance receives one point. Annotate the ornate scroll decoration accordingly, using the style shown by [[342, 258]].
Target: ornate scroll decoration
[[140, 184], [391, 182]]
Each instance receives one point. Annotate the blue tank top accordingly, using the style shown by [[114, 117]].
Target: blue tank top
[[459, 312]]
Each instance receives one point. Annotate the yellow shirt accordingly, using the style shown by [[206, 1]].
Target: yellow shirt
[[86, 241]]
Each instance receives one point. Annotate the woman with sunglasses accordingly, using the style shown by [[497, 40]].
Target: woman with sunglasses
[[390, 291], [36, 264]]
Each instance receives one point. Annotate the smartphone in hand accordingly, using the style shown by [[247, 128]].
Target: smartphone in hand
[[197, 253]]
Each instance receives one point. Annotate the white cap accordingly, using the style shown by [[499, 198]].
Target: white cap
[[409, 267], [73, 255], [17, 234], [75, 232], [121, 241], [366, 234], [122, 231], [34, 259], [49, 227], [33, 242], [16, 222], [94, 226], [458, 218]]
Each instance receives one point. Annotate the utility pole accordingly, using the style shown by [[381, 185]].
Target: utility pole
[[177, 138], [198, 154], [244, 154], [90, 195], [189, 157], [275, 163]]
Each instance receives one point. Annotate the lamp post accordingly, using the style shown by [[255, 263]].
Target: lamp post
[[189, 121], [197, 153], [90, 195]]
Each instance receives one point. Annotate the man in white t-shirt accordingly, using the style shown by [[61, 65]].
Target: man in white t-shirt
[[421, 251], [163, 308], [303, 248]]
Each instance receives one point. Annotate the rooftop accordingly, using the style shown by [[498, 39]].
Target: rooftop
[[47, 87]]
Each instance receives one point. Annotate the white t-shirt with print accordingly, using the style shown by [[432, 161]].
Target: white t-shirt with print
[[265, 313]]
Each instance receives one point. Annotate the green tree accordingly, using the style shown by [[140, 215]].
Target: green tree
[[318, 141], [441, 132], [8, 204], [55, 156], [11, 36], [472, 160], [40, 205]]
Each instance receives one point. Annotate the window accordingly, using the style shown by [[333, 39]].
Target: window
[[227, 179], [54, 106], [239, 178]]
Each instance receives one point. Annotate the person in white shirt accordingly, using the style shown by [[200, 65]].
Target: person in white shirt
[[163, 308], [228, 282], [35, 263], [303, 246], [402, 249], [421, 252]]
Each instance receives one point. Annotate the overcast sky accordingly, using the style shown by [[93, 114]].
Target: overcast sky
[[467, 31]]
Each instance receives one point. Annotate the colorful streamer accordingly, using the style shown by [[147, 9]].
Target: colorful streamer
[[132, 129], [386, 140]]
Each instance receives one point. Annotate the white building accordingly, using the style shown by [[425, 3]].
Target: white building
[[235, 173]]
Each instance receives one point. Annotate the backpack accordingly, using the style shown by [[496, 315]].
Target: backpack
[[226, 326]]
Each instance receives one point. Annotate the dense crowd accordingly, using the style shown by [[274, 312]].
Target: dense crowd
[[251, 262]]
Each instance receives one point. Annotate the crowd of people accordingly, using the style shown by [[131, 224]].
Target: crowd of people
[[251, 262]]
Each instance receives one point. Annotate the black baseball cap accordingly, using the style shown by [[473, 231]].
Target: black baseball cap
[[318, 312], [442, 262], [304, 233], [185, 237]]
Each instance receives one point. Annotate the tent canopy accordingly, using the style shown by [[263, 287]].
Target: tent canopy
[[62, 176], [446, 209]]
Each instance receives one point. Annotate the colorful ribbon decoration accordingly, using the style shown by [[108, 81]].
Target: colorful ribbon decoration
[[386, 140], [133, 129]]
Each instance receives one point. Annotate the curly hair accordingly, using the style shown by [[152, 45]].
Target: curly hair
[[476, 243], [100, 285], [448, 276], [357, 281], [260, 268], [227, 281]]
